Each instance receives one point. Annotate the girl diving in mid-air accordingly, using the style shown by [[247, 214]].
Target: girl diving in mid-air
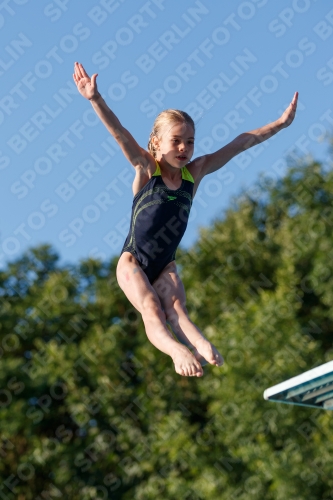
[[164, 187]]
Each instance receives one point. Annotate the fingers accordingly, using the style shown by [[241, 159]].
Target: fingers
[[79, 71], [295, 99], [83, 71], [93, 80], [291, 110], [77, 74]]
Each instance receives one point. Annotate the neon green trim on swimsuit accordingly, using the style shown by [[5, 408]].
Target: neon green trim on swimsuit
[[157, 171], [185, 173]]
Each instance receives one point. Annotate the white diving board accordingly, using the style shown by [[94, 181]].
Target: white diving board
[[313, 388]]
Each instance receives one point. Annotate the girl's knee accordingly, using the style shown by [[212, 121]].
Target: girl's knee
[[152, 307]]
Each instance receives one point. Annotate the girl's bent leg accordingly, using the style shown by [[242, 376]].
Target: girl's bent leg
[[134, 283], [170, 290]]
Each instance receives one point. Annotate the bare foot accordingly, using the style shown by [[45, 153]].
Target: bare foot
[[198, 356], [208, 352], [185, 363], [182, 339]]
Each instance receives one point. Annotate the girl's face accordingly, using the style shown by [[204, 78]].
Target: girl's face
[[176, 144]]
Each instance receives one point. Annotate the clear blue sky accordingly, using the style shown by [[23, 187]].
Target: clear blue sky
[[234, 66]]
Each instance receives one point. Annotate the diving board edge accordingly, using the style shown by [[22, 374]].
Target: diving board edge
[[308, 377]]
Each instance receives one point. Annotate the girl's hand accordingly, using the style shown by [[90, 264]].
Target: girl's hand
[[86, 86], [289, 114]]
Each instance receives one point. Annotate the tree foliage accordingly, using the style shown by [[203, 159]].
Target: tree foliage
[[90, 409]]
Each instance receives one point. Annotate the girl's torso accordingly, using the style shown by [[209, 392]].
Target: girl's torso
[[159, 219]]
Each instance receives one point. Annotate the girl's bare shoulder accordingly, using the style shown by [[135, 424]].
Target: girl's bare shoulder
[[195, 167], [143, 173]]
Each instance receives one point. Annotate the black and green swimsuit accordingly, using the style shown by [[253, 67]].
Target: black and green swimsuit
[[158, 222]]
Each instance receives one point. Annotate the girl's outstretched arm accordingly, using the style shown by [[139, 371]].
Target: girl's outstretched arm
[[212, 162], [87, 87]]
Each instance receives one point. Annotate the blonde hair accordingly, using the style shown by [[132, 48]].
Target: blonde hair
[[166, 117]]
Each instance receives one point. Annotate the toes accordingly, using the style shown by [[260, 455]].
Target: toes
[[217, 359], [220, 360], [189, 367], [193, 371], [198, 371]]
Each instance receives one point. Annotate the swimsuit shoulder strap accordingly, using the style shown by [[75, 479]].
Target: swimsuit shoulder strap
[[158, 170], [186, 175]]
